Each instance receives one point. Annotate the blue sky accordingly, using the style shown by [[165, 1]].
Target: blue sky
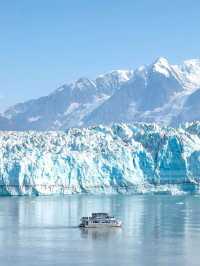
[[45, 43]]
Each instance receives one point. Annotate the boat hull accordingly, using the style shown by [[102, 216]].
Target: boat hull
[[100, 225]]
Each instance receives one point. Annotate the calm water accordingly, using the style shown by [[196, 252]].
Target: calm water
[[157, 230]]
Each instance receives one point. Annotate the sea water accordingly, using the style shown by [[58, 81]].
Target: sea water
[[157, 230]]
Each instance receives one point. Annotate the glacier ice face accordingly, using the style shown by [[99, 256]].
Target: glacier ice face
[[123, 158]]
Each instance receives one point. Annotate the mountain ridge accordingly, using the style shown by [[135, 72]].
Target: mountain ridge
[[159, 92]]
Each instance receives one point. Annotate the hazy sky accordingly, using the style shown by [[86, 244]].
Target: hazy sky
[[45, 43]]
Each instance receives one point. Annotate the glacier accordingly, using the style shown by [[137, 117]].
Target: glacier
[[121, 158]]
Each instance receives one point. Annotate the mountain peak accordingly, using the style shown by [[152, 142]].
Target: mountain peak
[[162, 66], [189, 73], [121, 75], [110, 82], [161, 61], [192, 62]]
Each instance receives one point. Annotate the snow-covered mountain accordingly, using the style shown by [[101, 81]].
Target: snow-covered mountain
[[160, 92], [68, 105], [134, 158], [156, 93]]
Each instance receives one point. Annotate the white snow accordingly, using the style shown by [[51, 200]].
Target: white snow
[[34, 119], [189, 73], [162, 66], [72, 108], [122, 75], [83, 83]]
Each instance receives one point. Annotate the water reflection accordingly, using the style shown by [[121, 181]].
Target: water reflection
[[100, 233], [157, 230]]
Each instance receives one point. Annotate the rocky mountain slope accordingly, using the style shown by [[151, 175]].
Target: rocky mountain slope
[[160, 92]]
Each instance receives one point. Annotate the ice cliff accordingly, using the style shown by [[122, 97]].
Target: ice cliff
[[123, 158]]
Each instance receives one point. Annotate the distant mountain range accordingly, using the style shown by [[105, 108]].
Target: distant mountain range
[[160, 92]]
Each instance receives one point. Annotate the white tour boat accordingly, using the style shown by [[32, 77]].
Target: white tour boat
[[98, 220]]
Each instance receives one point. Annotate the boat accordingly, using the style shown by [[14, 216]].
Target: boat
[[100, 220]]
